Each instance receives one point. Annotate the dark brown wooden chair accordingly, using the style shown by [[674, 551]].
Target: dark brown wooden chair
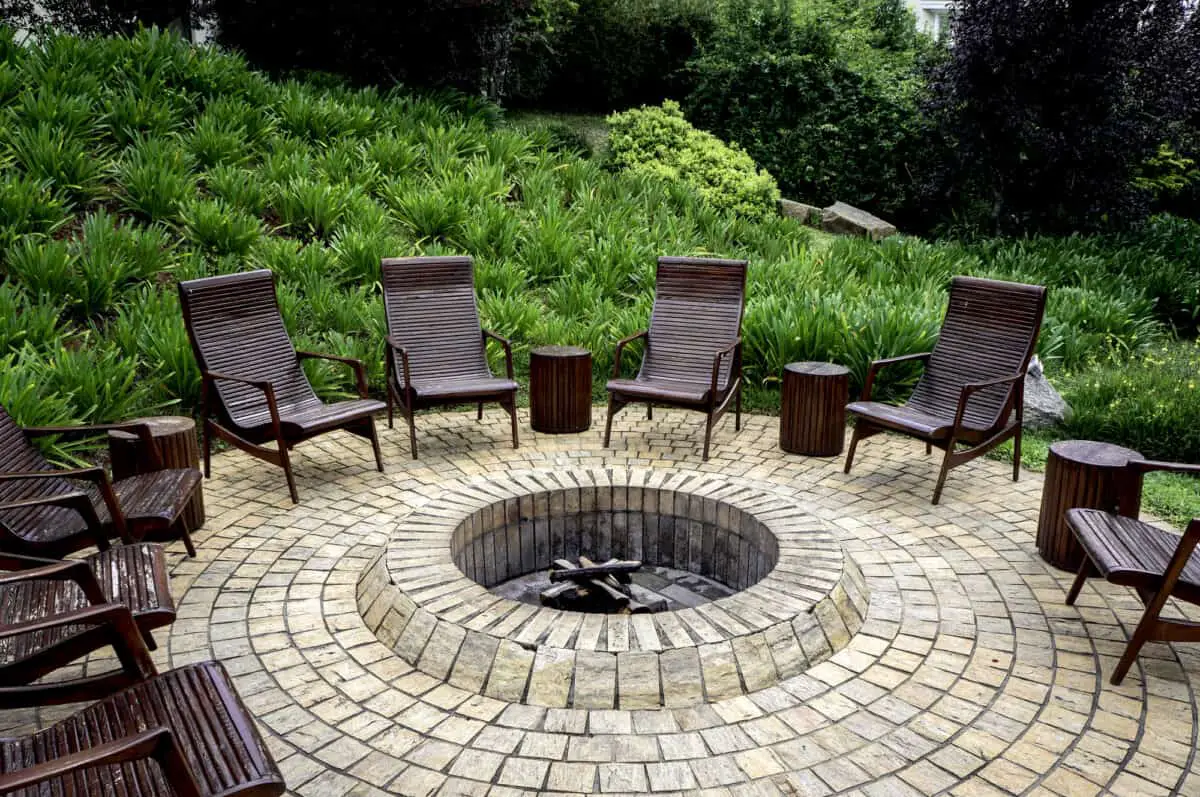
[[52, 512], [1157, 564], [53, 612], [254, 390], [693, 354], [184, 733], [972, 390], [436, 345]]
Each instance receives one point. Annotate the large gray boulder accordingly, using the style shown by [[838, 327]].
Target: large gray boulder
[[844, 219], [1044, 407], [805, 214]]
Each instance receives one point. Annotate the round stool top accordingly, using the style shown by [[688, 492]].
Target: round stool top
[[1089, 452], [159, 425], [560, 351], [817, 369]]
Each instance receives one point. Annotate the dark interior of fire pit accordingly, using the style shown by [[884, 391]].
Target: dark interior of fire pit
[[692, 548]]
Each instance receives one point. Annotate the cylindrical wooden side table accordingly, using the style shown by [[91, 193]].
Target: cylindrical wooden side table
[[1079, 473], [177, 444], [812, 418], [560, 389]]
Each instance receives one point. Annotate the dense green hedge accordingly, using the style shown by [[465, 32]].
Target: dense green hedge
[[126, 164]]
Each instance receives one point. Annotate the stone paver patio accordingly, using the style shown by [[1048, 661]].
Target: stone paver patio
[[968, 676]]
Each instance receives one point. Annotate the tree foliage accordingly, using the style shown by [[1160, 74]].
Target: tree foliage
[[464, 44], [1050, 109], [781, 85]]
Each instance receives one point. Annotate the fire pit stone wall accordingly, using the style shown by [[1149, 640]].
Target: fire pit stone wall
[[426, 595]]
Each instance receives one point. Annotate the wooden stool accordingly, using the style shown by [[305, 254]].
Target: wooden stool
[[560, 389], [812, 418], [178, 447], [1083, 474]]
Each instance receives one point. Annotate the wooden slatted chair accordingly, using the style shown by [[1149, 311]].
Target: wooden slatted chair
[[184, 733], [693, 354], [972, 390], [254, 390], [53, 612], [436, 352], [1157, 564], [52, 512]]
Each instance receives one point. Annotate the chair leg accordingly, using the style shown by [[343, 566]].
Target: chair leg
[[708, 425], [1140, 635], [649, 412], [151, 643], [479, 413], [186, 536], [412, 430], [854, 438], [286, 462], [373, 436], [608, 421], [390, 401], [512, 413], [1017, 454], [1085, 570], [737, 410], [941, 482], [207, 451], [928, 448]]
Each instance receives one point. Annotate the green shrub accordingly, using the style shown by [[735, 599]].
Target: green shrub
[[238, 187], [110, 255], [155, 178], [660, 142], [71, 164], [219, 228], [25, 320], [784, 92], [28, 206], [608, 54], [43, 267]]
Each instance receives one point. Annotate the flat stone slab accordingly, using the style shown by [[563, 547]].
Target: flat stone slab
[[843, 219], [793, 581]]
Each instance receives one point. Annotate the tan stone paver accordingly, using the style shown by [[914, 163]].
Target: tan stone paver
[[967, 676]]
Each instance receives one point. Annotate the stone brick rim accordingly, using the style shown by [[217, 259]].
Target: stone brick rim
[[417, 601]]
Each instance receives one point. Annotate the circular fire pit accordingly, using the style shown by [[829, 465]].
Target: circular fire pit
[[796, 598]]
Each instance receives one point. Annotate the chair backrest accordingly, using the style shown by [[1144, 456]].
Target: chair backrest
[[430, 307], [698, 305], [236, 329], [17, 454], [990, 331]]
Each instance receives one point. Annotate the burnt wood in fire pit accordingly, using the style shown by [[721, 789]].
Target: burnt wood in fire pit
[[591, 587]]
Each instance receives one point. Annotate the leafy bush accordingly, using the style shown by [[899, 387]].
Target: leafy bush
[[1050, 109], [609, 54], [28, 206], [219, 228], [783, 91], [155, 175], [660, 142]]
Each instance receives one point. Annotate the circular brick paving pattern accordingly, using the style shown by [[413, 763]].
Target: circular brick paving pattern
[[799, 601], [968, 676]]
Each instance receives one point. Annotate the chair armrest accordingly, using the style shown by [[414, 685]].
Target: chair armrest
[[157, 743], [31, 569], [125, 637], [1143, 466], [971, 388], [395, 346], [506, 344], [621, 344], [718, 357], [91, 474], [878, 365], [360, 372]]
